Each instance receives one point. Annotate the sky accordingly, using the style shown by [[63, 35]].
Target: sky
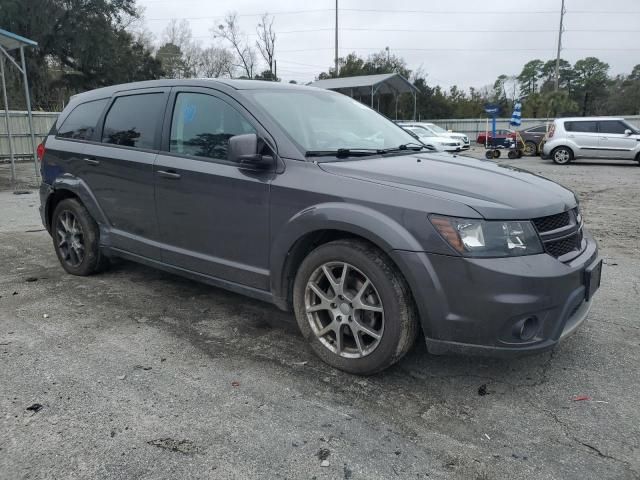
[[467, 43]]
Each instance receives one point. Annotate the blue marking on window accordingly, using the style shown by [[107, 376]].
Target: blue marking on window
[[189, 112]]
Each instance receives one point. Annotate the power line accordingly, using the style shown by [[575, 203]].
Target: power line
[[457, 31], [444, 49], [397, 11]]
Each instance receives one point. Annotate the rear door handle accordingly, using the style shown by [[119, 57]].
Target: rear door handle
[[169, 174], [91, 161]]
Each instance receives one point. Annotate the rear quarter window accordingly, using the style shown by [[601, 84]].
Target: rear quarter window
[[81, 123], [581, 126], [132, 120]]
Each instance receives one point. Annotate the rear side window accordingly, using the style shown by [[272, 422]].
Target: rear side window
[[132, 120], [202, 125], [540, 129], [612, 126], [81, 122], [581, 126]]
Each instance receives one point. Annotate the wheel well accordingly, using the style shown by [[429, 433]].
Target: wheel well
[[565, 147], [54, 199], [304, 246]]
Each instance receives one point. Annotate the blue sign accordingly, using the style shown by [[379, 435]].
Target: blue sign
[[492, 110]]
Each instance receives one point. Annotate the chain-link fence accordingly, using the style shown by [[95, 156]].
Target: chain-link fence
[[23, 172]]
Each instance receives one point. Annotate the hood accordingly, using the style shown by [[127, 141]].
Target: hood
[[494, 191], [455, 135]]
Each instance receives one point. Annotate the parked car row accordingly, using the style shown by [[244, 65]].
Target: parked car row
[[562, 140], [437, 137]]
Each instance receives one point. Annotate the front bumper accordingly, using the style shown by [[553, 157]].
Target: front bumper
[[479, 306]]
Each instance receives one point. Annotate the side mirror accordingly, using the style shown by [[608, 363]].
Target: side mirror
[[243, 150], [628, 132]]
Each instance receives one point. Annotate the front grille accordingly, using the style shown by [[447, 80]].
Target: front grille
[[552, 222], [569, 239], [559, 248]]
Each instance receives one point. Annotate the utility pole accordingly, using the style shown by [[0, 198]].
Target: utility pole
[[562, 12], [388, 55], [336, 55]]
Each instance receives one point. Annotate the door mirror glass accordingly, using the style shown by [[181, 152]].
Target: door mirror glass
[[243, 150]]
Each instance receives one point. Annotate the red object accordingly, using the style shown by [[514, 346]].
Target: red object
[[482, 136], [40, 151], [581, 398]]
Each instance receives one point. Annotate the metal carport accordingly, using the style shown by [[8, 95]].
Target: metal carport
[[371, 85], [8, 42]]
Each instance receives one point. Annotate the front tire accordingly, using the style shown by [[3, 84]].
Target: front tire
[[562, 155], [76, 238], [354, 307]]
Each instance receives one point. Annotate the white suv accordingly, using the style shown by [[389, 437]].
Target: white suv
[[438, 131], [592, 137]]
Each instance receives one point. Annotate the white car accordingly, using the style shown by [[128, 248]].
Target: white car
[[427, 137], [440, 132]]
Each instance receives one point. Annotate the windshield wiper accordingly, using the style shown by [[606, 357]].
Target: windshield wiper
[[344, 152], [408, 146]]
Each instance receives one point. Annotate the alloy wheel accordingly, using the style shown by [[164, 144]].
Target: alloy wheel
[[344, 310], [70, 238], [561, 156]]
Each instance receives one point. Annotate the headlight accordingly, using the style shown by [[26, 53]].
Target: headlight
[[481, 238]]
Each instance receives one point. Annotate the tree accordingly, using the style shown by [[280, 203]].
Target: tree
[[81, 45], [591, 82], [266, 75], [215, 62], [266, 41], [530, 76], [172, 62], [179, 34], [245, 55], [566, 75]]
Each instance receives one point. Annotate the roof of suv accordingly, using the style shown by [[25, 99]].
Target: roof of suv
[[194, 82], [586, 119]]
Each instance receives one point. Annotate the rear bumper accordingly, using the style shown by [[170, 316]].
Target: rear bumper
[[45, 192], [481, 306]]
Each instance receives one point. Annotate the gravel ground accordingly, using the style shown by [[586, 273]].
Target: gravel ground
[[141, 374]]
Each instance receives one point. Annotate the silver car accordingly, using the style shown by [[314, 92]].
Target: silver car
[[592, 137]]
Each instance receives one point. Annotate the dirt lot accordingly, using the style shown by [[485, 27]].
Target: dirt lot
[[141, 374]]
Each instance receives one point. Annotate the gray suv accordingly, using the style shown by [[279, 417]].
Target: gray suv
[[308, 199], [592, 137]]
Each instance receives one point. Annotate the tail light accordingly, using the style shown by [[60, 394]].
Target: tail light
[[552, 130], [40, 152]]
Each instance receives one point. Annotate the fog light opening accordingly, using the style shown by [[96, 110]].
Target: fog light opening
[[529, 329]]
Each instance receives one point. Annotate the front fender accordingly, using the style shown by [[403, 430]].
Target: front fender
[[359, 220]]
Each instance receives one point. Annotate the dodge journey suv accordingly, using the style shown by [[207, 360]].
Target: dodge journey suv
[[592, 137], [312, 201]]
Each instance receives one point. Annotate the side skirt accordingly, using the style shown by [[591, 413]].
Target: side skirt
[[258, 294]]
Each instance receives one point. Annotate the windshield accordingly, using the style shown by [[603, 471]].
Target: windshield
[[437, 129], [320, 120], [631, 127]]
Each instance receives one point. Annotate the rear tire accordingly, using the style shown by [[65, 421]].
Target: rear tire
[[347, 289], [76, 239], [561, 155], [530, 148]]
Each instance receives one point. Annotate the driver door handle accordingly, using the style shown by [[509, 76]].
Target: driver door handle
[[91, 161], [172, 174]]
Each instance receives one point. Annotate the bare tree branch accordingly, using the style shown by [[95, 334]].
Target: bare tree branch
[[266, 41], [230, 31]]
